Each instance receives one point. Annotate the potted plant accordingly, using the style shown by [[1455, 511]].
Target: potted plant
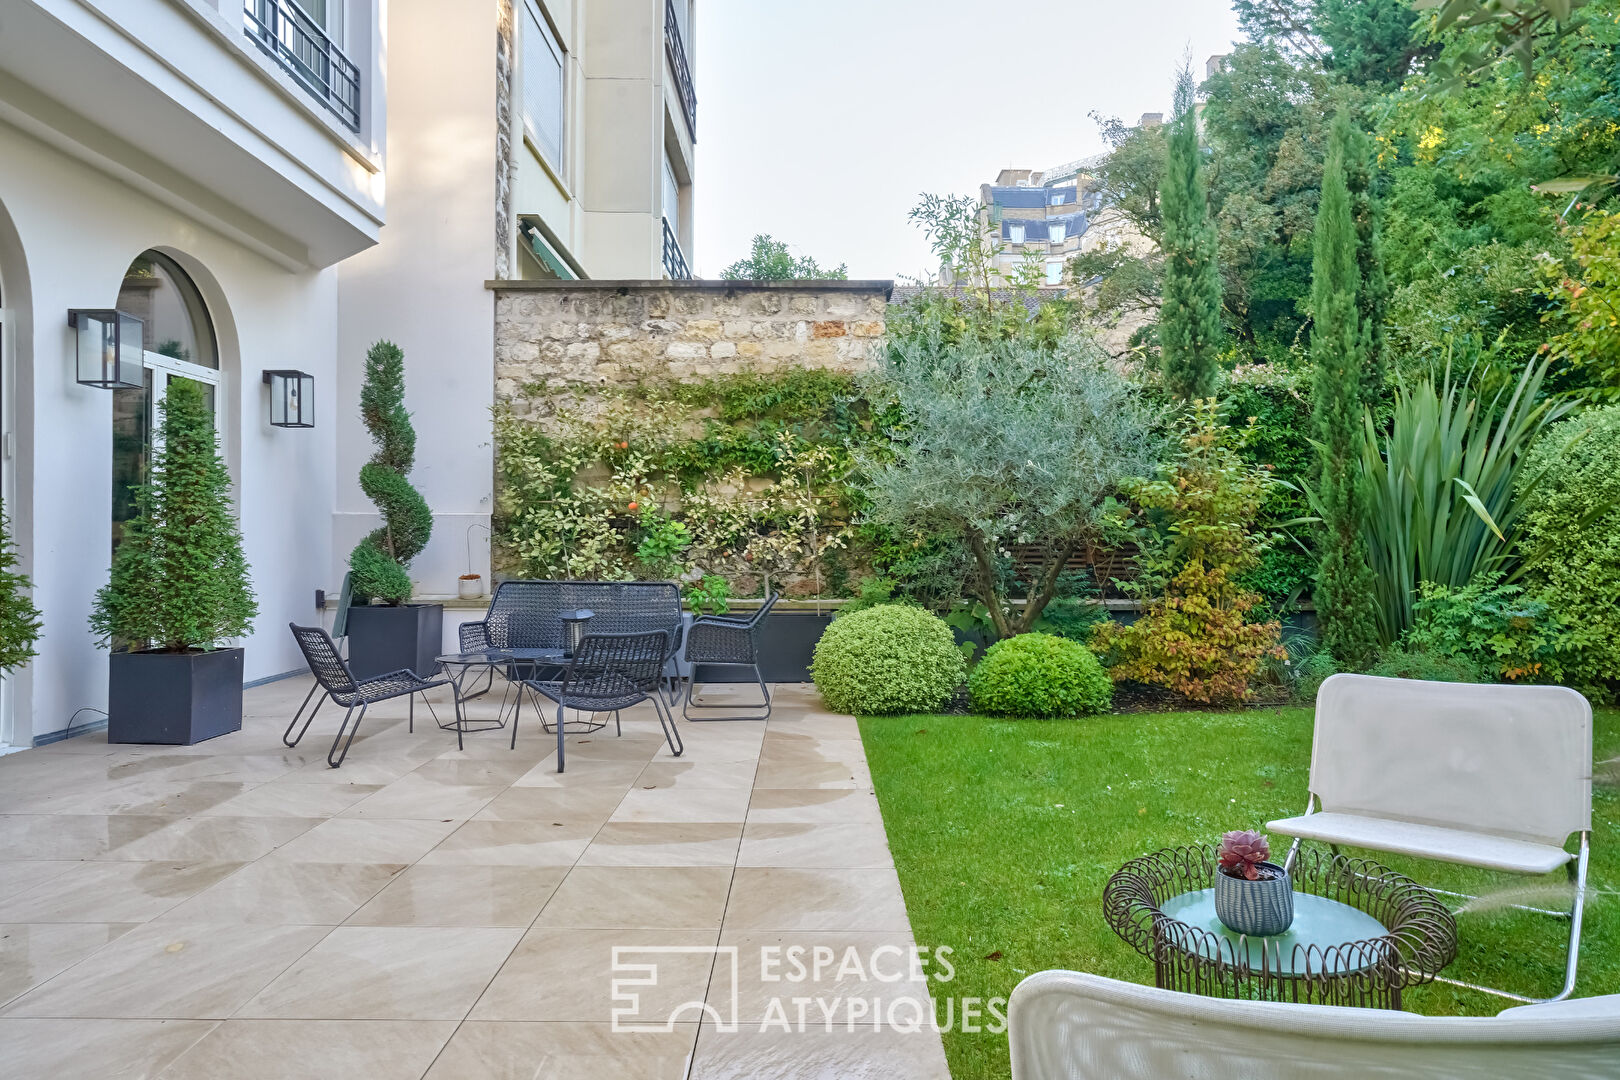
[[1252, 895], [386, 633], [178, 589], [19, 618]]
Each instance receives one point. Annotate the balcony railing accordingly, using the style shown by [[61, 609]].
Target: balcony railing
[[674, 262], [675, 48], [302, 48]]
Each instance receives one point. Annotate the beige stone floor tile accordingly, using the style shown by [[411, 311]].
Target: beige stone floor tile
[[682, 804], [387, 973], [675, 898], [200, 765], [20, 875], [94, 1049], [814, 844], [697, 772], [30, 953], [357, 768], [474, 772], [305, 1049], [606, 746], [413, 797], [664, 843], [863, 1054], [581, 773], [73, 836], [716, 749], [514, 1050], [571, 975], [821, 726], [793, 746], [281, 892], [172, 971], [830, 968], [292, 800], [813, 774], [833, 805], [179, 798], [462, 896], [769, 898], [216, 839], [366, 840], [568, 806], [512, 843], [113, 892]]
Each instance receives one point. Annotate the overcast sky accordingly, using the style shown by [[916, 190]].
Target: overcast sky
[[821, 122]]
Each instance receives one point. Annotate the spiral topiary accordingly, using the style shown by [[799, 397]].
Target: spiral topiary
[[378, 562], [887, 659], [1040, 675]]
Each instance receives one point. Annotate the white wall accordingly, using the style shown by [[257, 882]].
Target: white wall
[[422, 286], [76, 231]]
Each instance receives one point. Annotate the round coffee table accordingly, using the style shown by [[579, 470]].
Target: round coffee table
[[1361, 933]]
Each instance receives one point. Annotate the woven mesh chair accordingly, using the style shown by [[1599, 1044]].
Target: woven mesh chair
[[333, 677], [728, 641], [525, 615], [609, 673]]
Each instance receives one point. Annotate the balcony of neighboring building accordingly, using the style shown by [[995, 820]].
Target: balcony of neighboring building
[[257, 118]]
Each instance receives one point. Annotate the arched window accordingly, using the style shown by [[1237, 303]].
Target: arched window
[[177, 342]]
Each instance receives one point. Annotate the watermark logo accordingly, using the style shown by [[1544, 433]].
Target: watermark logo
[[799, 988]]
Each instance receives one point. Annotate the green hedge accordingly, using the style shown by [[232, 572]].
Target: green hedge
[[888, 659], [1040, 675]]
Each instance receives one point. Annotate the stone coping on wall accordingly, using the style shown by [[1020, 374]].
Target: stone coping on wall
[[696, 284]]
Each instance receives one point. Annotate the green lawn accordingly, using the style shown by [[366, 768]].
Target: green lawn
[[1004, 833]]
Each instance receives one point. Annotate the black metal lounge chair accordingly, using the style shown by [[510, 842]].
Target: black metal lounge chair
[[609, 673], [727, 641], [332, 675]]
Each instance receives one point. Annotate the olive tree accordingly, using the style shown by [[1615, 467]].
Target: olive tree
[[1005, 443]]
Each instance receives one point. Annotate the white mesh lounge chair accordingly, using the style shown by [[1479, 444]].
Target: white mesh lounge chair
[[1497, 777], [1065, 1025]]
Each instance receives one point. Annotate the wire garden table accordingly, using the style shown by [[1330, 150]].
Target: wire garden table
[[1361, 934]]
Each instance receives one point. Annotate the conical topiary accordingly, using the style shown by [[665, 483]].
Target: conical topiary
[[378, 562], [179, 580], [19, 618]]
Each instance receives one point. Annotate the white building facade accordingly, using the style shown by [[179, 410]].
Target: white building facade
[[219, 169], [204, 164]]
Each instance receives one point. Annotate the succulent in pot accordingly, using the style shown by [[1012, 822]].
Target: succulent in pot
[[1253, 895]]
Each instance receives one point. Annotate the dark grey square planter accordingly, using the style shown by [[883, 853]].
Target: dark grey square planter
[[174, 699], [786, 646], [384, 639]]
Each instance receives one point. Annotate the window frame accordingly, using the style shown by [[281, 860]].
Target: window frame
[[538, 17], [1016, 233]]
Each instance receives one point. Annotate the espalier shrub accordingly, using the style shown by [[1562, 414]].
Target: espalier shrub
[[179, 580], [1040, 675], [888, 659], [378, 562], [1570, 489]]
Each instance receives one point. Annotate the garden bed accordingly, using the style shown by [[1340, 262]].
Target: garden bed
[[1004, 832]]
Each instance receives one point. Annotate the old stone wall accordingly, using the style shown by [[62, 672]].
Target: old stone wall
[[572, 334]]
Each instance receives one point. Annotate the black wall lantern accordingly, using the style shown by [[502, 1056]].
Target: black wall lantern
[[107, 347], [292, 398]]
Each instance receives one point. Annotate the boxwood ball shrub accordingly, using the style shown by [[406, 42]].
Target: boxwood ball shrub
[[1038, 675], [893, 658]]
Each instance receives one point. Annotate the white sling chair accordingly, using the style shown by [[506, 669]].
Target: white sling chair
[[1497, 777], [1065, 1025]]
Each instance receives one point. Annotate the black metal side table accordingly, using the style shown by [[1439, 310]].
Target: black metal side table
[[1361, 934]]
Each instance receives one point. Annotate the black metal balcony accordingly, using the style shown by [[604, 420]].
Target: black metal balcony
[[675, 49], [674, 262], [303, 50]]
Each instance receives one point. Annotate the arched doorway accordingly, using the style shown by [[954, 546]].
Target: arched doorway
[[177, 342]]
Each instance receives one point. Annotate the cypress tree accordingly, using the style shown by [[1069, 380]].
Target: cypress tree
[[1340, 348], [179, 580], [378, 562], [1190, 310]]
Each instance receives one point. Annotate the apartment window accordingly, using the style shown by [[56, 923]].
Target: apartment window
[[1016, 233], [542, 87], [672, 194], [1058, 231], [1057, 198], [1054, 272]]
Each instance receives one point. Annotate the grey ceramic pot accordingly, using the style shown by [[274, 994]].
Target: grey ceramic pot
[[1256, 908]]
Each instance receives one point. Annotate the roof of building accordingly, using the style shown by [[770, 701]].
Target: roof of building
[[1038, 229]]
